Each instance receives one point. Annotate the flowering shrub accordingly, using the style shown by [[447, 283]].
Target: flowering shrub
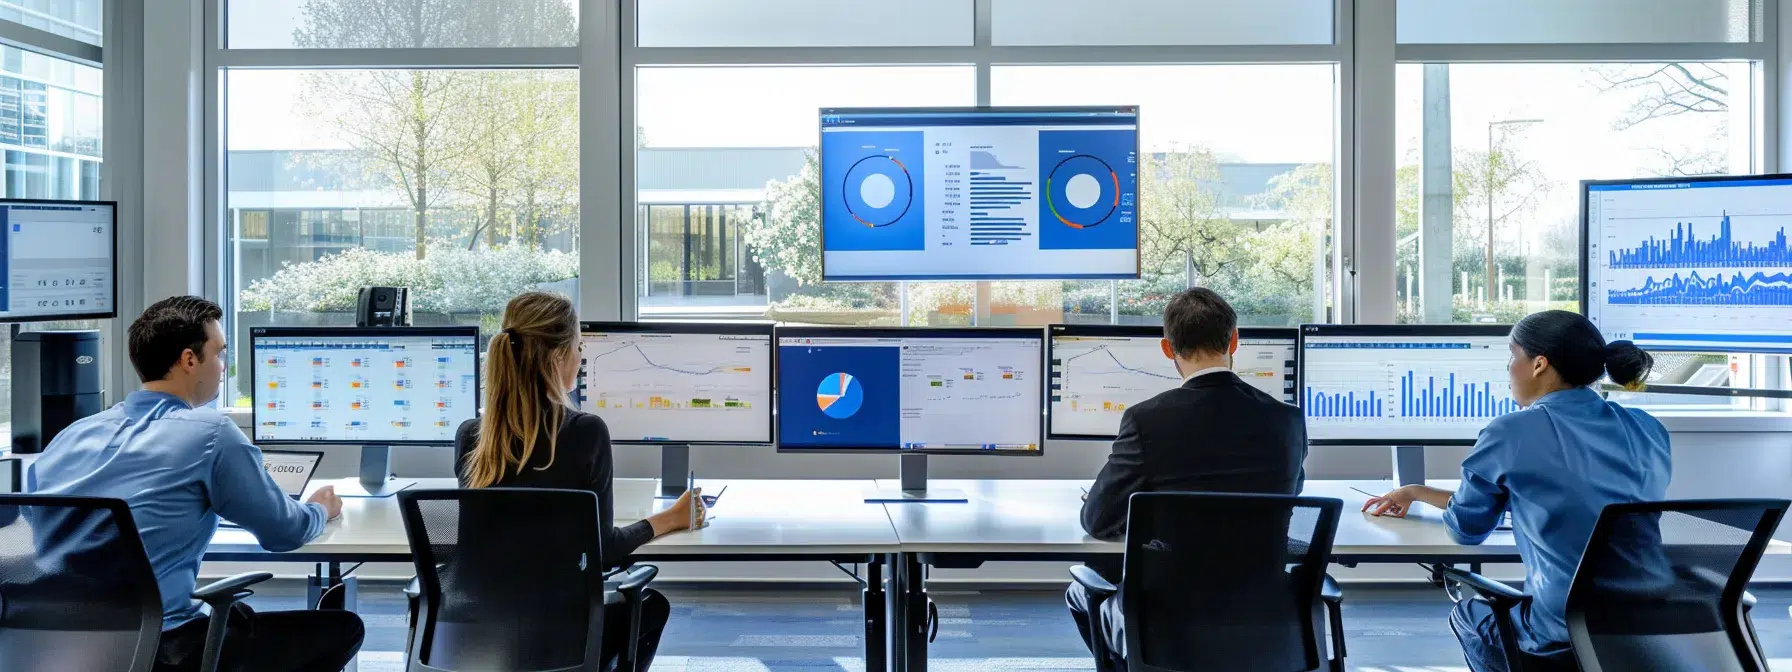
[[451, 279]]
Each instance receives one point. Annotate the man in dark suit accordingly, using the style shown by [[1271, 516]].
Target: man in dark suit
[[1215, 433]]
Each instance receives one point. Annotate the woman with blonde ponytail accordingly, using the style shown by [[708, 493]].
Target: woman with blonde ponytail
[[530, 436]]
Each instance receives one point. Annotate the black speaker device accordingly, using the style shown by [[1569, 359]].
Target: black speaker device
[[383, 307], [55, 381]]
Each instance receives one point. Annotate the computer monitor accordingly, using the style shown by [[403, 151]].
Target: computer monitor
[[679, 383], [979, 193], [58, 260], [1099, 371], [1689, 263], [1406, 385], [975, 391], [363, 386]]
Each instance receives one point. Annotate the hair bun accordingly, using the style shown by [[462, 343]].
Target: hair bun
[[1628, 365]]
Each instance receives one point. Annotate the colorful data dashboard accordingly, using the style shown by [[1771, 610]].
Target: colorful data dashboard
[[1403, 385], [1097, 372], [343, 385], [1699, 264], [673, 383], [917, 390], [57, 260], [979, 193]]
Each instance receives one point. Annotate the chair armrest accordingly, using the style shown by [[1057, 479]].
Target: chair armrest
[[1091, 580], [1330, 592], [1500, 595], [1748, 601], [233, 589], [414, 589], [630, 582]]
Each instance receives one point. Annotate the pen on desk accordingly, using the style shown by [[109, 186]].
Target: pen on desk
[[1371, 494]]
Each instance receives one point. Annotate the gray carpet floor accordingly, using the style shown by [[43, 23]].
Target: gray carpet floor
[[1388, 629]]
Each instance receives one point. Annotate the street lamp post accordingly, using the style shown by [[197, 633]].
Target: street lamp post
[[1489, 290]]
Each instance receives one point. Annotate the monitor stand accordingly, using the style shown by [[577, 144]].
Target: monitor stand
[[914, 487], [1409, 465], [376, 475], [675, 470]]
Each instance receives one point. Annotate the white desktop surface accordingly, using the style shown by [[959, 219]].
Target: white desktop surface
[[1028, 516], [754, 517]]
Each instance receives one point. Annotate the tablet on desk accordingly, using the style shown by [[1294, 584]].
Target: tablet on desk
[[291, 470]]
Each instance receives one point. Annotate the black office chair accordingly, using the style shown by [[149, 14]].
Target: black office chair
[[1223, 582], [77, 591], [502, 588], [1661, 587]]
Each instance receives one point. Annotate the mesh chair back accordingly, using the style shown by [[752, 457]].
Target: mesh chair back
[[76, 589], [1660, 586], [511, 578], [1226, 581]]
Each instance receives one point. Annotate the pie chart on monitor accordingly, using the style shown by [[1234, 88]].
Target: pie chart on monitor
[[839, 395]]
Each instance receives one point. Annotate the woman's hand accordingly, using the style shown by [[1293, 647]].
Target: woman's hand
[[1399, 502], [687, 513]]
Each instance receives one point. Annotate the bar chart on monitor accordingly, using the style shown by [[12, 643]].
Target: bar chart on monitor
[[1413, 388], [1663, 257], [678, 387]]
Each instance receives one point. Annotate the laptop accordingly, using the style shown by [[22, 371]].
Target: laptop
[[633, 498], [291, 470]]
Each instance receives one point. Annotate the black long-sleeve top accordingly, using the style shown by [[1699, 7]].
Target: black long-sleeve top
[[583, 461]]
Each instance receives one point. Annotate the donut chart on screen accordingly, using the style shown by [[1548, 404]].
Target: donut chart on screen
[[879, 190], [1082, 191], [839, 396]]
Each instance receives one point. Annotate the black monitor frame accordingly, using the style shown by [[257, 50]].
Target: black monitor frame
[[992, 110], [57, 317], [922, 333], [1291, 334], [1390, 331], [765, 329], [257, 333]]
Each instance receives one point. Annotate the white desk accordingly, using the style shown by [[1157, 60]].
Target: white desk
[[1042, 519]]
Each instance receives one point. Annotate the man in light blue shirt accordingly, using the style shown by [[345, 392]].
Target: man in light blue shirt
[[181, 464], [1555, 465]]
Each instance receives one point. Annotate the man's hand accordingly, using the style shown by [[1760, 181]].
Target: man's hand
[[327, 497]]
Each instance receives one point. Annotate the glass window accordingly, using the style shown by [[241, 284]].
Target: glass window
[[59, 157], [1160, 22], [728, 193], [77, 19], [1489, 184], [462, 185], [804, 23], [412, 24], [1571, 21], [1237, 197]]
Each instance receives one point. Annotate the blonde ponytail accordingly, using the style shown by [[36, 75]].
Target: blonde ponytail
[[522, 388]]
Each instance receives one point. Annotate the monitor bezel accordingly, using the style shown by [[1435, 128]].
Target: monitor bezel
[[1382, 330], [1141, 331], [1037, 333], [258, 333], [58, 317], [1586, 268], [1137, 149], [766, 329]]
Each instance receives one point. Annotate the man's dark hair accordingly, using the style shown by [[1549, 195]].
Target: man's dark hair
[[1199, 321], [165, 330]]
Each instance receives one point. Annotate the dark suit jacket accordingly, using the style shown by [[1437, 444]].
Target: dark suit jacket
[[1214, 434]]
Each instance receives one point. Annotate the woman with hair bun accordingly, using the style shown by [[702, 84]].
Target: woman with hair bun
[[1554, 465]]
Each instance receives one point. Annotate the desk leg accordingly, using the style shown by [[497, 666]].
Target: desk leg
[[876, 618], [914, 604], [327, 588]]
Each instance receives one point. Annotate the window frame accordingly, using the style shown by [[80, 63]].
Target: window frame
[[1364, 51]]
